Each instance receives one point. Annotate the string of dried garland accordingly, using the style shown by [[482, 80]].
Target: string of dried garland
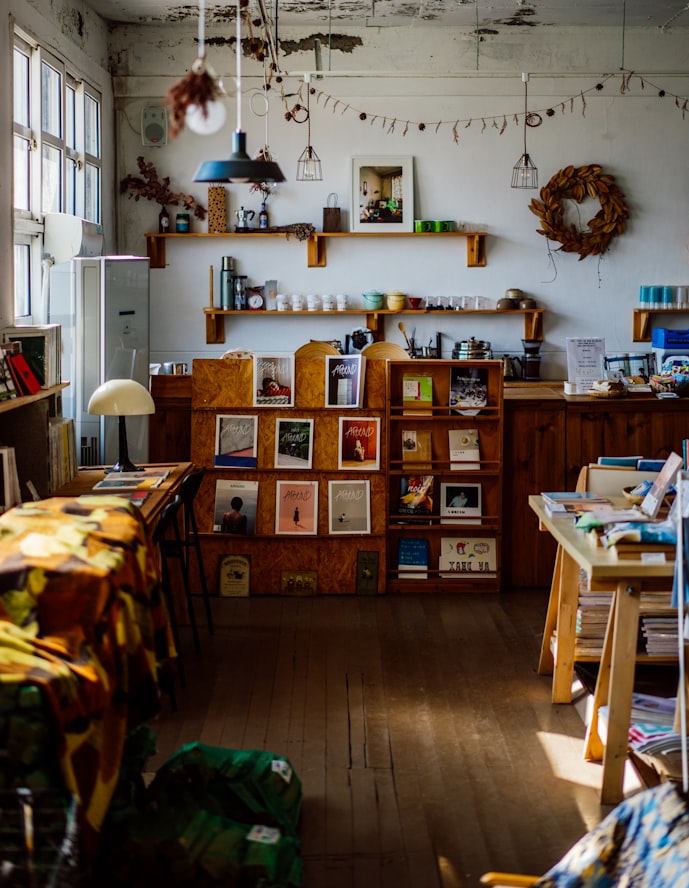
[[576, 183]]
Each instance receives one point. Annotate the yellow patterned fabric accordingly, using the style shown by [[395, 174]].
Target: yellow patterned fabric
[[83, 618]]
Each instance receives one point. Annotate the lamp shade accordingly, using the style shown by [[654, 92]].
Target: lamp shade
[[121, 397], [239, 167]]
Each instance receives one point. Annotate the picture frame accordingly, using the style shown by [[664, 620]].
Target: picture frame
[[293, 443], [382, 194], [296, 507], [460, 503], [358, 443], [273, 378], [349, 507], [236, 438]]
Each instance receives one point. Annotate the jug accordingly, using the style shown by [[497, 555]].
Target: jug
[[244, 217], [507, 367]]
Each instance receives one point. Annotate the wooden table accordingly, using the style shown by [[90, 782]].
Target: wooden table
[[157, 498], [615, 682]]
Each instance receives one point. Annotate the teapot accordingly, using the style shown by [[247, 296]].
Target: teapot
[[244, 217]]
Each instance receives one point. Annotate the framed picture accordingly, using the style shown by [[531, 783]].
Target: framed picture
[[359, 443], [349, 506], [296, 507], [273, 380], [460, 503], [293, 443], [382, 194], [235, 441]]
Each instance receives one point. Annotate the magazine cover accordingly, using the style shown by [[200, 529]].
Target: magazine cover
[[460, 503], [464, 555], [468, 389], [417, 449], [359, 443], [293, 443], [235, 507], [344, 380], [416, 495], [296, 507], [349, 506], [273, 380], [464, 449], [417, 394], [235, 441], [412, 558]]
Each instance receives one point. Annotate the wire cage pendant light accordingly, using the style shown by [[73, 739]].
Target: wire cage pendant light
[[309, 164], [239, 167], [525, 172]]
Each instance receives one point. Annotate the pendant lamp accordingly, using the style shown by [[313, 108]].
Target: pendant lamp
[[309, 165], [239, 167], [525, 172]]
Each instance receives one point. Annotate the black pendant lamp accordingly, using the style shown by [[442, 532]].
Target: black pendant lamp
[[239, 167]]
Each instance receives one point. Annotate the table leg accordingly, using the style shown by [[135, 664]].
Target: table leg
[[545, 661], [622, 668], [563, 671], [593, 744]]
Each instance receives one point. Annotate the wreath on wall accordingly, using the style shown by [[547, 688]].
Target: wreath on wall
[[576, 183]]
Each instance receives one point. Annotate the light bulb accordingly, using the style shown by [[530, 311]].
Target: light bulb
[[309, 169], [210, 122]]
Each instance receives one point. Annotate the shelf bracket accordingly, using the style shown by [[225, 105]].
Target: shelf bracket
[[641, 324], [476, 250], [156, 250], [533, 325], [215, 327], [315, 252]]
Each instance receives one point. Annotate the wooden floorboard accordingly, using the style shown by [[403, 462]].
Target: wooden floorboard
[[426, 743]]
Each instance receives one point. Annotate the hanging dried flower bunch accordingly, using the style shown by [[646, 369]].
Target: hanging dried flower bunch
[[150, 187], [199, 87]]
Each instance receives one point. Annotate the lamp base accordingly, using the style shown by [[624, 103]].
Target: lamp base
[[123, 466]]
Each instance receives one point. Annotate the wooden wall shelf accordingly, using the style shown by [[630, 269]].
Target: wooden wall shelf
[[215, 318], [641, 329], [316, 256]]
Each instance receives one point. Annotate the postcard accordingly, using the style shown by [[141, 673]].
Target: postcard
[[296, 507], [235, 441], [359, 443], [349, 506], [460, 503]]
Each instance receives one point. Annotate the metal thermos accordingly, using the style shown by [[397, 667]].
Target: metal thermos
[[226, 275]]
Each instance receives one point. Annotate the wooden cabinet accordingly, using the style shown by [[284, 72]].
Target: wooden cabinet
[[24, 426], [464, 556], [170, 425], [334, 561]]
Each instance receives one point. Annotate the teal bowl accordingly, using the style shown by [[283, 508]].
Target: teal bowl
[[373, 299]]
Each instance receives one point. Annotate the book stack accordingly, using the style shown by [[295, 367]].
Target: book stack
[[63, 450], [141, 479], [591, 621], [9, 479], [567, 503]]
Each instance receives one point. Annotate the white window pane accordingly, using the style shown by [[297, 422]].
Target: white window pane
[[21, 88], [21, 173], [70, 187], [70, 118], [91, 126], [22, 281], [51, 169], [92, 193], [51, 110]]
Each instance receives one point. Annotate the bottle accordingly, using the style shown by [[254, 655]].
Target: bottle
[[263, 216], [226, 275], [163, 221]]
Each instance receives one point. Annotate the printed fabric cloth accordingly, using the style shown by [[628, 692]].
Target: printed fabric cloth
[[642, 843], [82, 617]]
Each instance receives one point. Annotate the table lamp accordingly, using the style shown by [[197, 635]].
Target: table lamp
[[121, 398]]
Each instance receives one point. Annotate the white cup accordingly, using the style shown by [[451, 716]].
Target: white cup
[[282, 301], [312, 303], [297, 302], [341, 300], [328, 303]]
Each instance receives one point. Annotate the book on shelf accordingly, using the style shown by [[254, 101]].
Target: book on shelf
[[359, 443], [464, 449], [236, 441], [9, 479], [8, 381], [416, 496], [349, 506], [574, 498], [141, 479], [468, 389], [417, 394], [25, 380], [412, 558], [462, 555], [293, 443], [62, 450], [344, 380], [296, 507], [460, 503], [236, 504], [665, 479], [41, 348], [417, 451], [273, 380]]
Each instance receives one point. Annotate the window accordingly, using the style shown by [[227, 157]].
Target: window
[[57, 158]]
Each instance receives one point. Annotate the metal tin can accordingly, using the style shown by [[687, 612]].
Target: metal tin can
[[182, 223]]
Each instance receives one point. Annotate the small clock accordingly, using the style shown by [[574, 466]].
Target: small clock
[[256, 301]]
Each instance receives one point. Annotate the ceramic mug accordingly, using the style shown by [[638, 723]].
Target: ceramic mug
[[341, 300], [312, 303], [297, 302], [283, 302], [443, 226], [328, 303], [422, 225]]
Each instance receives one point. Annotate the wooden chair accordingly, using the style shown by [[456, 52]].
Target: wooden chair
[[190, 538], [508, 880]]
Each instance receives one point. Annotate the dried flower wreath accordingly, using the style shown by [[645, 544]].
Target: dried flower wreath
[[150, 187]]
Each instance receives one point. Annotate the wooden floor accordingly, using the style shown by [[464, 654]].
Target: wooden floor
[[427, 745]]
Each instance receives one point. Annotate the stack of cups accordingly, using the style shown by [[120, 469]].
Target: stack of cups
[[665, 297]]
